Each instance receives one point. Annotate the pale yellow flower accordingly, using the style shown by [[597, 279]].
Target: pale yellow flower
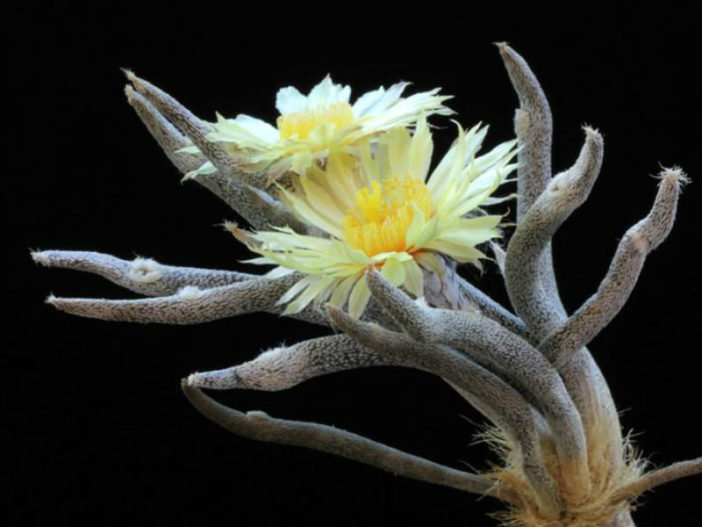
[[312, 126], [379, 209]]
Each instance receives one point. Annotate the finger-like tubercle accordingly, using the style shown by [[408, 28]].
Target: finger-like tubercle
[[623, 273], [262, 427], [533, 303], [141, 275], [191, 305], [283, 367]]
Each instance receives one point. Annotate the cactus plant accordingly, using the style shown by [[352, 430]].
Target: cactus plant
[[563, 460]]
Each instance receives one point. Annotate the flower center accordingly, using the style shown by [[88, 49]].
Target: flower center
[[379, 221], [301, 124]]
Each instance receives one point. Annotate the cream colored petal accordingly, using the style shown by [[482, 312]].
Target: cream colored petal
[[341, 180], [405, 111], [190, 149], [488, 221], [469, 236], [321, 201], [459, 252], [206, 168], [317, 285], [278, 272], [420, 150], [282, 241], [478, 192], [367, 163], [358, 299], [393, 271], [295, 290], [259, 261], [397, 142], [327, 92], [245, 131], [430, 261], [355, 256], [465, 149], [399, 256], [496, 200], [428, 233], [414, 281], [444, 176], [498, 155], [380, 100], [311, 216], [301, 161], [366, 101], [341, 292], [415, 228], [290, 100]]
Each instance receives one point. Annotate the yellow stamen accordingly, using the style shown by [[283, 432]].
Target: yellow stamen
[[382, 215], [301, 124]]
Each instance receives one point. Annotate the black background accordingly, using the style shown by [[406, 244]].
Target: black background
[[98, 429]]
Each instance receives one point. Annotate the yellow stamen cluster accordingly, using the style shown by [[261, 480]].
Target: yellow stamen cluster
[[382, 215], [301, 124]]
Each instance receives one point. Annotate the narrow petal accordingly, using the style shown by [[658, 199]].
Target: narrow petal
[[461, 253], [414, 281], [358, 299], [366, 102], [327, 92], [341, 293], [379, 100], [393, 271]]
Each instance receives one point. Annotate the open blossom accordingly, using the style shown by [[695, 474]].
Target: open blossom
[[380, 209], [312, 126]]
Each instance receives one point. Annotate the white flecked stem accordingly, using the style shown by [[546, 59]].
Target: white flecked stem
[[148, 277], [287, 366], [505, 353], [141, 275], [192, 305], [183, 129], [498, 401], [284, 367], [255, 205], [534, 130], [195, 129], [565, 193], [623, 273], [492, 357], [494, 311], [533, 126], [261, 427], [226, 162], [537, 304], [162, 130]]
